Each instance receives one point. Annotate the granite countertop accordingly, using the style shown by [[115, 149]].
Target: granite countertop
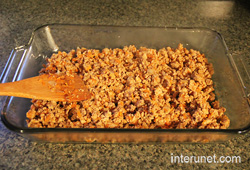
[[19, 18]]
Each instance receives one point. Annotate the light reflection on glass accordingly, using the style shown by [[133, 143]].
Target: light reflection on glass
[[51, 40]]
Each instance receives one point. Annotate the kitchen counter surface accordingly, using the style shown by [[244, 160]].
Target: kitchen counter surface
[[19, 18]]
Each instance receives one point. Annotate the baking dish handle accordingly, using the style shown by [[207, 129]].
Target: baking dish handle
[[243, 71], [12, 68], [13, 64]]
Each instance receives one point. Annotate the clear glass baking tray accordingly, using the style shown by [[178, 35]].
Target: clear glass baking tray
[[231, 80]]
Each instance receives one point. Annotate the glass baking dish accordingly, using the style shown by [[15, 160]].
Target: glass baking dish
[[231, 80]]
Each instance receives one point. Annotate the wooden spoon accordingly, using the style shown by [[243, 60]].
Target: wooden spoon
[[48, 87]]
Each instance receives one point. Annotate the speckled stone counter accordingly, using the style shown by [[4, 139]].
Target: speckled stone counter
[[19, 18]]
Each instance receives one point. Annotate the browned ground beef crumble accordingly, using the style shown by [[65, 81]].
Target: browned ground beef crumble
[[134, 88]]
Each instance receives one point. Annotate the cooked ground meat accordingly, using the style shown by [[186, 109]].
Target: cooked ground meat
[[134, 88]]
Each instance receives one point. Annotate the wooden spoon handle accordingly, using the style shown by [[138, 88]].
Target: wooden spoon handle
[[39, 87], [27, 88]]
